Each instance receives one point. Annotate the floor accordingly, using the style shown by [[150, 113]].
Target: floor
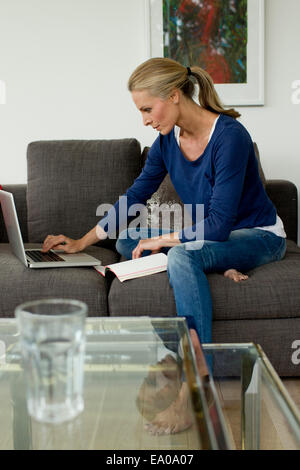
[[275, 433]]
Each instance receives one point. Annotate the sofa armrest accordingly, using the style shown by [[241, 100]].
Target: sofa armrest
[[284, 196], [19, 192]]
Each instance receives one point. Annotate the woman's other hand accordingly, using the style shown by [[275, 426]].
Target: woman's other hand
[[155, 244], [152, 244]]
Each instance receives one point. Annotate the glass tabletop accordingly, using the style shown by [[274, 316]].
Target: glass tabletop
[[259, 413], [150, 385], [145, 387]]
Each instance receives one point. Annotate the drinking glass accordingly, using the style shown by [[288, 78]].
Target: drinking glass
[[52, 338]]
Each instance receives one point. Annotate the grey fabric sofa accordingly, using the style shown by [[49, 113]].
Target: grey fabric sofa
[[68, 180]]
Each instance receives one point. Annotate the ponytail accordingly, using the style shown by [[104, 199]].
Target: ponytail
[[208, 97], [160, 76]]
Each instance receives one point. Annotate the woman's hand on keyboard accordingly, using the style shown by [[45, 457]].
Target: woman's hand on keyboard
[[61, 242]]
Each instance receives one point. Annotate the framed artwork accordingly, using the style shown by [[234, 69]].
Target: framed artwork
[[225, 37]]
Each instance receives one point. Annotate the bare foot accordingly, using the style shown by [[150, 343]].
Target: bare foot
[[160, 388], [176, 418], [235, 275]]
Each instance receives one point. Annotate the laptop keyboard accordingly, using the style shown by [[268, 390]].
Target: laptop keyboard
[[44, 257]]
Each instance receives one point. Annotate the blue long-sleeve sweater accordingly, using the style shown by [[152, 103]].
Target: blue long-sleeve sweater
[[225, 179]]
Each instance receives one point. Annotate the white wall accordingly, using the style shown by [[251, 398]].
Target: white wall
[[66, 64]]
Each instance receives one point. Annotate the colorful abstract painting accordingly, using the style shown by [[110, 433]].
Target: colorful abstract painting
[[209, 33]]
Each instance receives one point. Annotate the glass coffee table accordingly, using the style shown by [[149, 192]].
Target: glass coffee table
[[149, 385]]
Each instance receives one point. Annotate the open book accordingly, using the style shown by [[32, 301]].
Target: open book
[[136, 267]]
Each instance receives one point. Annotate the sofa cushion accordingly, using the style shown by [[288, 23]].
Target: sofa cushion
[[275, 336], [166, 194], [68, 180], [19, 284], [272, 291], [150, 295], [284, 195], [260, 170]]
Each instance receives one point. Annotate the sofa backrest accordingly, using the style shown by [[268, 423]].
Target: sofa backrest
[[69, 179], [66, 176]]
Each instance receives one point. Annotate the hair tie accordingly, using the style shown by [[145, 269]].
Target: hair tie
[[189, 71]]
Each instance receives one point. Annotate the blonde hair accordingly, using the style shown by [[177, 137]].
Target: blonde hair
[[160, 76]]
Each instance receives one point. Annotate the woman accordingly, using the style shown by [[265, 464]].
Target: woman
[[211, 161]]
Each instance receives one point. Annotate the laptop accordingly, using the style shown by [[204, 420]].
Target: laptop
[[35, 258]]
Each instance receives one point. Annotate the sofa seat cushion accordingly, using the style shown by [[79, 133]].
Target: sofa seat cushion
[[274, 335], [272, 291], [20, 284], [149, 295]]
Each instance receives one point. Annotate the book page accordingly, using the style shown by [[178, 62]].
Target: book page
[[101, 269], [137, 267]]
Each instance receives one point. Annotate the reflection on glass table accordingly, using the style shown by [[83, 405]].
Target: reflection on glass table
[[147, 386]]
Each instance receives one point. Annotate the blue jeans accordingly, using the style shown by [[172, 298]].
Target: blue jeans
[[188, 263]]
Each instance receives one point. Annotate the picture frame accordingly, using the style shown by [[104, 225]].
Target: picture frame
[[250, 93]]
